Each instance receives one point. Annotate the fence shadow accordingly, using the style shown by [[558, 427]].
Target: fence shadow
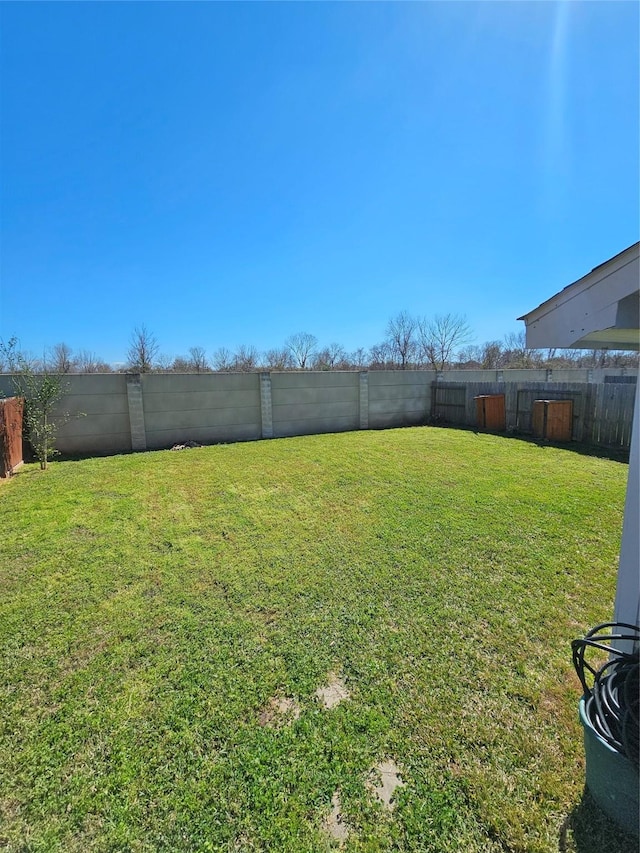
[[616, 454], [587, 829]]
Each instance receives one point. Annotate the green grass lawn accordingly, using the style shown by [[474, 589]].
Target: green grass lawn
[[153, 605]]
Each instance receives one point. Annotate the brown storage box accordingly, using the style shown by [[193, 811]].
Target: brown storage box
[[490, 410], [553, 419], [11, 411]]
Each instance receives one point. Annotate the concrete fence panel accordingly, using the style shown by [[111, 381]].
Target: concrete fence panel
[[315, 402], [206, 407], [98, 415], [399, 397]]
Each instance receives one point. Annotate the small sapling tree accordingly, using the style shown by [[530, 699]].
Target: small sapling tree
[[42, 391]]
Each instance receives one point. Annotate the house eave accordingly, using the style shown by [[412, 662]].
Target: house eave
[[599, 311]]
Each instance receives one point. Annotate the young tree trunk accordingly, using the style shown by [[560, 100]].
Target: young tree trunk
[[43, 447]]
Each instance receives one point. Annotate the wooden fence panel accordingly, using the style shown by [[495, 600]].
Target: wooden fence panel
[[602, 414], [449, 402], [613, 415], [11, 412]]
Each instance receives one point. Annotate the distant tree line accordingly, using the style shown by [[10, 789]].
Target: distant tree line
[[439, 343]]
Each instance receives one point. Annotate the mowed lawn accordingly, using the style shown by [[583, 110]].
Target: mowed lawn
[[156, 607]]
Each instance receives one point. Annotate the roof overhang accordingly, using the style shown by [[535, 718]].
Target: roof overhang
[[599, 311]]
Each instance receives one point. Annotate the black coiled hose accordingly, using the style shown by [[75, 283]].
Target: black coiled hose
[[612, 701]]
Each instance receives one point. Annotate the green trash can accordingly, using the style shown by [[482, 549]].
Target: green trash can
[[611, 778]]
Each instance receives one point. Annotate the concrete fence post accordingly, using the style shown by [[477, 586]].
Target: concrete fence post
[[266, 407], [364, 399], [136, 412]]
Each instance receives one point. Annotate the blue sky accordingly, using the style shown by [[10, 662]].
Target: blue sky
[[232, 173]]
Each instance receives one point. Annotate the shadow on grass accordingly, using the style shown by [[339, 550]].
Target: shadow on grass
[[616, 454], [588, 829]]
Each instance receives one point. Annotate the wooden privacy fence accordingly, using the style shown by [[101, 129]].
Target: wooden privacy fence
[[11, 411], [602, 414]]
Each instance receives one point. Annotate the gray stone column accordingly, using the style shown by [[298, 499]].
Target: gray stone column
[[364, 399], [136, 412], [266, 408]]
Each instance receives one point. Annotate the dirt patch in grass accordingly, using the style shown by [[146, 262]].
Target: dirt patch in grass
[[384, 780], [334, 825], [279, 711], [333, 692]]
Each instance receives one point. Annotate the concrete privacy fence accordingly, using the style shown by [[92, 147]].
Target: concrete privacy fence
[[122, 412]]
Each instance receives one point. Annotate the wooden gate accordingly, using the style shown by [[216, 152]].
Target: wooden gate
[[11, 411]]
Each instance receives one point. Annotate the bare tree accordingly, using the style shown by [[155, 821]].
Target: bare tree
[[321, 359], [245, 358], [598, 357], [59, 359], [143, 349], [401, 339], [438, 338], [562, 358], [278, 359], [338, 358], [469, 357], [380, 357], [223, 359], [491, 355], [358, 358], [301, 346], [180, 364], [198, 360], [517, 353], [163, 363], [88, 362], [623, 358], [332, 357]]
